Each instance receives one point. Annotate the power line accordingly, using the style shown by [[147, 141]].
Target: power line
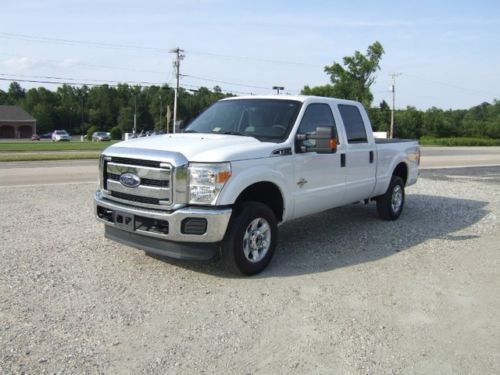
[[82, 79], [77, 42], [261, 59], [225, 82], [73, 42], [81, 82], [450, 85], [95, 65]]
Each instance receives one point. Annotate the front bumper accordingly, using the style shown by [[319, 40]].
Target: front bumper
[[216, 220]]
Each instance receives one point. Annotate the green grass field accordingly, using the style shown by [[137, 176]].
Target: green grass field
[[33, 146]]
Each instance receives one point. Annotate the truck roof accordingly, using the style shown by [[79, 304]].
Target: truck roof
[[300, 98]]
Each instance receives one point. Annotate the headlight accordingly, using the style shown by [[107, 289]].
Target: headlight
[[206, 181]]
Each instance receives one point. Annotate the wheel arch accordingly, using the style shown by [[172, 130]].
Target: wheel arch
[[265, 192], [401, 170]]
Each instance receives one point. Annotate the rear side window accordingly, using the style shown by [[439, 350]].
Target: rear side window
[[353, 122]]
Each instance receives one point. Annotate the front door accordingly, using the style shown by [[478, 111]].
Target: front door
[[319, 179]]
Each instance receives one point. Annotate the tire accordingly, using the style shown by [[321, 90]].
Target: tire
[[390, 205], [250, 239]]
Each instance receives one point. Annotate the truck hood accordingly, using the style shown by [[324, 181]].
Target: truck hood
[[203, 147]]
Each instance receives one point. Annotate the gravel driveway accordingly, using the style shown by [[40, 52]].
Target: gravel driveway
[[345, 293]]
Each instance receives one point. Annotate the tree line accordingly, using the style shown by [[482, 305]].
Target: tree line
[[104, 107], [78, 109]]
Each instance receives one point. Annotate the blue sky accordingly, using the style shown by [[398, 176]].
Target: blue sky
[[447, 51]]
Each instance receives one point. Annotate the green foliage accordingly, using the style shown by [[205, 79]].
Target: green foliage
[[354, 78], [116, 133], [476, 126], [84, 110], [76, 109], [91, 131]]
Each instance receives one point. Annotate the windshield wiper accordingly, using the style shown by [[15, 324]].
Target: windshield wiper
[[190, 131], [236, 133], [230, 133]]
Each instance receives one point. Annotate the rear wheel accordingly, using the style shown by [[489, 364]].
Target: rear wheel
[[251, 239], [390, 205]]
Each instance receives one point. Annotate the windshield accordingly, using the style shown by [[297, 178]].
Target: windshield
[[61, 132], [264, 119]]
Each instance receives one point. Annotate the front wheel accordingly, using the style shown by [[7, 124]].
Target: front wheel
[[251, 239], [390, 205]]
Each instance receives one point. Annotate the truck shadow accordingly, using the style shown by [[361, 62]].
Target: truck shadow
[[353, 234]]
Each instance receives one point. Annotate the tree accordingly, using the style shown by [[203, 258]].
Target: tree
[[408, 123], [3, 97], [15, 93], [354, 79], [126, 119]]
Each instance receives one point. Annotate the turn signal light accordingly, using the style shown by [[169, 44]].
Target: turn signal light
[[223, 176]]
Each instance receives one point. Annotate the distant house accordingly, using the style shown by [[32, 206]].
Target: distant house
[[15, 122]]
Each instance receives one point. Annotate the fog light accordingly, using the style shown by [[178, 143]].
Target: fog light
[[191, 225]]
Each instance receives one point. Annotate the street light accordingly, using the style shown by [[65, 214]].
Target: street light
[[278, 88]]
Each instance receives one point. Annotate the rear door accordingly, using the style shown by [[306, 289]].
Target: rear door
[[360, 164], [318, 178]]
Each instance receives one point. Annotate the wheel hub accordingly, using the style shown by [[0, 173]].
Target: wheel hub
[[397, 198], [257, 240]]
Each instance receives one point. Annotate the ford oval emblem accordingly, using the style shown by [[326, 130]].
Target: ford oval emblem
[[130, 180]]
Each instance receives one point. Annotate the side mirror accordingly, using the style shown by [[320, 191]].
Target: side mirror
[[325, 141]]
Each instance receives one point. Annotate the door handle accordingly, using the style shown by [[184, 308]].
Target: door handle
[[372, 156], [342, 160]]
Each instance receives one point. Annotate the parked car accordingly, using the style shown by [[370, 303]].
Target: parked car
[[35, 137], [60, 135], [46, 135], [101, 136]]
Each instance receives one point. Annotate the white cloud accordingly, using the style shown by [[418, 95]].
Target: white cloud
[[69, 62], [20, 64]]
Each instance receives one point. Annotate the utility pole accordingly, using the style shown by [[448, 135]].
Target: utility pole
[[278, 88], [160, 115], [393, 90], [135, 114], [177, 64]]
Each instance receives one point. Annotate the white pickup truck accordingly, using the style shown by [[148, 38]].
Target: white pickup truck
[[243, 167]]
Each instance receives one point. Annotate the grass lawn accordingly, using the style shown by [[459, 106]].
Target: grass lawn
[[31, 146], [4, 157]]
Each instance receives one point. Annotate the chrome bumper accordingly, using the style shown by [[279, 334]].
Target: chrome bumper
[[217, 220]]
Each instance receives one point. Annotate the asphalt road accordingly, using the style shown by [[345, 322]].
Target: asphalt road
[[57, 172], [452, 157]]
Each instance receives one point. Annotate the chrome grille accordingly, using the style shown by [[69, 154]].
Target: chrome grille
[[155, 189]]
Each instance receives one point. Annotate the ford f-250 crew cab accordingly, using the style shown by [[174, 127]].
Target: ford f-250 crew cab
[[243, 167]]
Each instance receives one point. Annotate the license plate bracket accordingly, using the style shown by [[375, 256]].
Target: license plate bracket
[[124, 221]]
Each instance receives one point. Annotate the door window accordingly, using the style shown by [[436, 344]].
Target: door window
[[316, 114]]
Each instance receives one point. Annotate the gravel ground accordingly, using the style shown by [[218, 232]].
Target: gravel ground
[[345, 293]]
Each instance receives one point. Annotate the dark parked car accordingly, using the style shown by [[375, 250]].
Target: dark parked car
[[46, 135], [101, 136]]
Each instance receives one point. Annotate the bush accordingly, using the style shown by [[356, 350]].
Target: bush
[[91, 131], [116, 133]]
